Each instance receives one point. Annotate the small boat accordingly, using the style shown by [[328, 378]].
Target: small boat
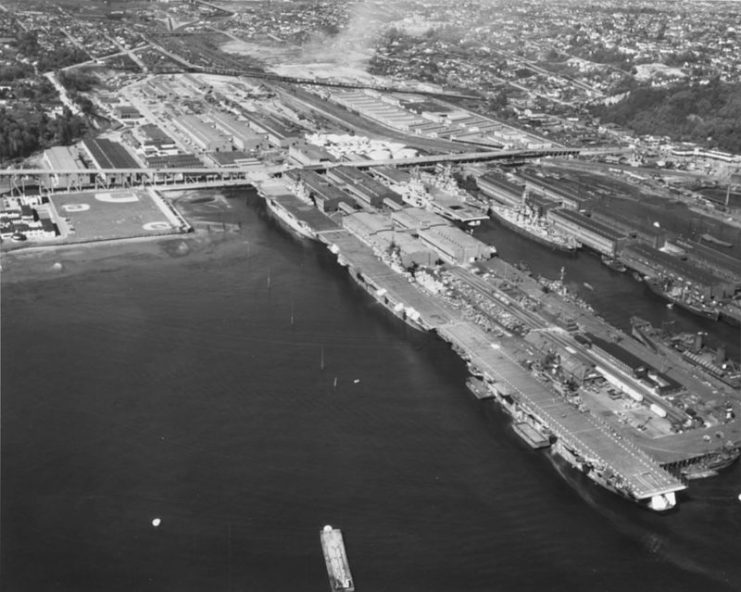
[[614, 264], [588, 286], [709, 238]]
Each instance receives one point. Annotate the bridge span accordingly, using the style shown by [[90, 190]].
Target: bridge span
[[73, 179]]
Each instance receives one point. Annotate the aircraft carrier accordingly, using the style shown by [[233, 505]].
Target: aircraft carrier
[[597, 397]]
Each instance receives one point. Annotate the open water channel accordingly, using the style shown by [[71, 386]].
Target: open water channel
[[192, 390]]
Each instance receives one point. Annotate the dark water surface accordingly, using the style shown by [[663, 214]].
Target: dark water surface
[[183, 391]]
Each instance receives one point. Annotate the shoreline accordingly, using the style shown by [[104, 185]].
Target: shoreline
[[51, 262], [45, 261]]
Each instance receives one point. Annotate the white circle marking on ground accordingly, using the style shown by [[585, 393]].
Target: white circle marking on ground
[[157, 226], [82, 207], [118, 198]]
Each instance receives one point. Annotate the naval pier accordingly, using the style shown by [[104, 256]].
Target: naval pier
[[585, 441]]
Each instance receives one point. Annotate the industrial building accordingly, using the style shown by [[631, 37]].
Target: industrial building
[[559, 191], [155, 141], [62, 158], [498, 187], [377, 230], [418, 219], [454, 245], [175, 161], [652, 262], [104, 154], [203, 135], [721, 264], [281, 134], [391, 175], [243, 137], [308, 154], [127, 112], [590, 233], [326, 196], [235, 158], [365, 224], [363, 187], [410, 250], [635, 366], [644, 231], [381, 108]]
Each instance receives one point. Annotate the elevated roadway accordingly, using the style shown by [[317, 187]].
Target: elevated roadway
[[78, 179]]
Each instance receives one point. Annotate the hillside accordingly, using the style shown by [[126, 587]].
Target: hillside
[[707, 114]]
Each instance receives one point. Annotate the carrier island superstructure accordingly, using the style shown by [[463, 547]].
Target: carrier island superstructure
[[599, 399]]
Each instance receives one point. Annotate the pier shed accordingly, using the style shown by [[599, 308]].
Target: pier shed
[[410, 250], [365, 224], [589, 232], [559, 190], [498, 187], [326, 196], [455, 245], [418, 219], [704, 283], [362, 186]]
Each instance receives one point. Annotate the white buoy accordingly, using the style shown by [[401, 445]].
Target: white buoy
[[356, 381], [156, 522], [739, 497]]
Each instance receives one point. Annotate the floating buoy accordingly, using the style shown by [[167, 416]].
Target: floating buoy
[[739, 497], [356, 381], [156, 522]]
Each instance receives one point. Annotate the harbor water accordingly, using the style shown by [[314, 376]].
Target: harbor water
[[249, 394]]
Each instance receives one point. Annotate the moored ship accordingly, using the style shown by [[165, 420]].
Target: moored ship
[[661, 500], [525, 220], [289, 219], [614, 264], [687, 348], [730, 312], [682, 298], [400, 310], [711, 465]]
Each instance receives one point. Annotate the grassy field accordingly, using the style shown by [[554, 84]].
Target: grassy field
[[109, 215]]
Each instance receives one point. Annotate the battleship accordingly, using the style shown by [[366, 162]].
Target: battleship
[[526, 221]]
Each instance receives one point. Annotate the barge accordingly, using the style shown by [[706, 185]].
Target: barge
[[338, 567]]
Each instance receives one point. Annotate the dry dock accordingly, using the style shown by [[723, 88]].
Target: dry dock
[[338, 568]]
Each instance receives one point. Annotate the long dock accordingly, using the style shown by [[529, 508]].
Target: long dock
[[598, 445]]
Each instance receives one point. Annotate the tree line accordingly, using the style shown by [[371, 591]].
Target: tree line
[[25, 131], [708, 114]]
